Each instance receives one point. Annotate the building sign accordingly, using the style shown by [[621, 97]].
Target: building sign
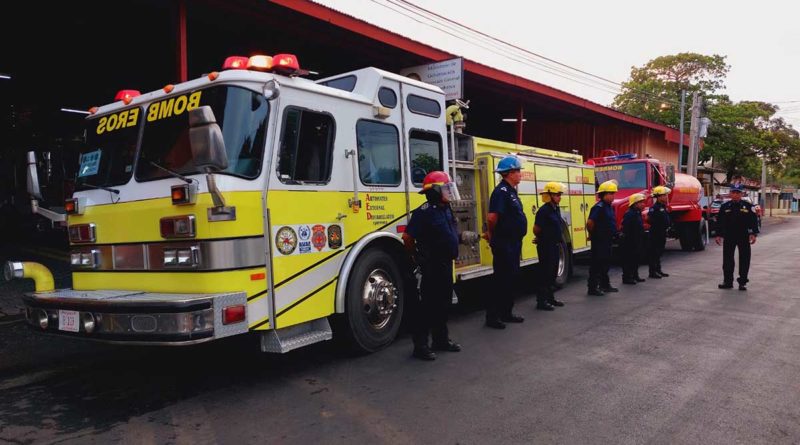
[[447, 75]]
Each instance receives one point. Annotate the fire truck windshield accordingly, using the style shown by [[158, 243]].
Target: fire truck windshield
[[628, 176], [241, 114], [108, 156]]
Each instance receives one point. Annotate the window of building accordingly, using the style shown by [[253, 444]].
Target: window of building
[[306, 152], [425, 151], [423, 105], [378, 153]]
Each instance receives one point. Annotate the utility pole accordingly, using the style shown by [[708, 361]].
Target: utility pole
[[680, 144], [763, 181], [694, 136]]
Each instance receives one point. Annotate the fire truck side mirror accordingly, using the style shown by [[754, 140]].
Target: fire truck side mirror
[[33, 177], [670, 176], [206, 141]]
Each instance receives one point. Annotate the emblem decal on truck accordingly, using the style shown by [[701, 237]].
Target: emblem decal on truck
[[334, 236], [318, 238], [286, 240]]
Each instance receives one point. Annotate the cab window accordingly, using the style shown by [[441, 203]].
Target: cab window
[[425, 150], [656, 177], [378, 153], [306, 147]]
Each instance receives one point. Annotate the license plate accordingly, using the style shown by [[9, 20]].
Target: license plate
[[68, 321]]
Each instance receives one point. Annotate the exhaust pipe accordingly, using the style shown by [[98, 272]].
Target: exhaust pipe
[[40, 275]]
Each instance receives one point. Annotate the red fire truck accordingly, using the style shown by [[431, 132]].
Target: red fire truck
[[635, 175]]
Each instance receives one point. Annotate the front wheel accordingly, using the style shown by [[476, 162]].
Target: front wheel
[[374, 301]]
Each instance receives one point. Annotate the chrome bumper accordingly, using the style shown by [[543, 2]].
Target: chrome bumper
[[133, 317]]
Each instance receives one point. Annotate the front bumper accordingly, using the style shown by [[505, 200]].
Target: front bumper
[[134, 317]]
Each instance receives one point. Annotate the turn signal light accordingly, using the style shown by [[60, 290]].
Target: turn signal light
[[126, 96], [235, 63], [183, 194], [177, 226], [74, 206], [233, 314]]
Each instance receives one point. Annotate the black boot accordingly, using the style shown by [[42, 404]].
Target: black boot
[[725, 285], [543, 306], [512, 318], [554, 302], [662, 273], [495, 323], [423, 353], [448, 346], [609, 288], [596, 292], [639, 279]]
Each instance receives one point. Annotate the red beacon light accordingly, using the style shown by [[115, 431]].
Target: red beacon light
[[235, 63], [287, 64], [126, 95]]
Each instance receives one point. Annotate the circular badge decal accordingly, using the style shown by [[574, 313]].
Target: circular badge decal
[[286, 240]]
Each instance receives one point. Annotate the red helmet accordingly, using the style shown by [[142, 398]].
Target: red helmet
[[434, 178]]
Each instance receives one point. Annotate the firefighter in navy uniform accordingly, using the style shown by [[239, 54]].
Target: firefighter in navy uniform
[[738, 226], [506, 225], [548, 229], [602, 228], [632, 239], [658, 218], [431, 239]]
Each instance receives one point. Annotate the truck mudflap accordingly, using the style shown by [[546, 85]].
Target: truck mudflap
[[133, 317]]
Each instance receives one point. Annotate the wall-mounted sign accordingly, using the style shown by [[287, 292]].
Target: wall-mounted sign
[[447, 75]]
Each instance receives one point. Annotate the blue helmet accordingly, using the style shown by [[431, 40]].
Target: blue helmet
[[508, 163], [737, 187]]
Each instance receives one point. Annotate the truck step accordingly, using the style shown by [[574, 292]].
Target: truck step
[[293, 337]]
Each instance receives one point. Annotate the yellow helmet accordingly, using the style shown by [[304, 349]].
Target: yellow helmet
[[554, 187], [634, 198], [661, 190], [608, 187]]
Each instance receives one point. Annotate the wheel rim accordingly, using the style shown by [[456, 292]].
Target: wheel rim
[[562, 260], [379, 299]]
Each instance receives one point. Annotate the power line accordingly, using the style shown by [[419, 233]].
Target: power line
[[619, 87], [556, 71]]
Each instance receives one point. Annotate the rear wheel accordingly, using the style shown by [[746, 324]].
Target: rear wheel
[[702, 236], [685, 236], [564, 260], [374, 301]]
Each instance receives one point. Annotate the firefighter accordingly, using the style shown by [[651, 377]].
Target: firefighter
[[431, 240], [738, 226], [632, 239], [658, 218], [548, 230], [506, 225], [602, 228]]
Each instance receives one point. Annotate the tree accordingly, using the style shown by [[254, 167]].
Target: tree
[[740, 133], [653, 91]]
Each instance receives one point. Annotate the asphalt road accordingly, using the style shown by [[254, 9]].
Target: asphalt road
[[669, 361]]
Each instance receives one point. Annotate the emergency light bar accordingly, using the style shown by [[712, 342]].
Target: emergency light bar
[[126, 95], [286, 64], [605, 159]]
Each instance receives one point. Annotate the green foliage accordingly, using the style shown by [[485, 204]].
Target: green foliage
[[740, 133], [653, 91]]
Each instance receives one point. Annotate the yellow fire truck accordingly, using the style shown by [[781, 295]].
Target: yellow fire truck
[[255, 200]]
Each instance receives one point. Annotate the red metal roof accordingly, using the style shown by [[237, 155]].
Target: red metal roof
[[356, 25]]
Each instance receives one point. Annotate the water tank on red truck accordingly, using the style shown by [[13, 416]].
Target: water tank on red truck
[[635, 175]]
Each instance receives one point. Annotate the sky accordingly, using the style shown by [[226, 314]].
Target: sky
[[606, 38]]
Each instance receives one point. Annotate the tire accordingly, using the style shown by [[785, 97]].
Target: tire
[[374, 301], [564, 264], [685, 236], [702, 236]]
